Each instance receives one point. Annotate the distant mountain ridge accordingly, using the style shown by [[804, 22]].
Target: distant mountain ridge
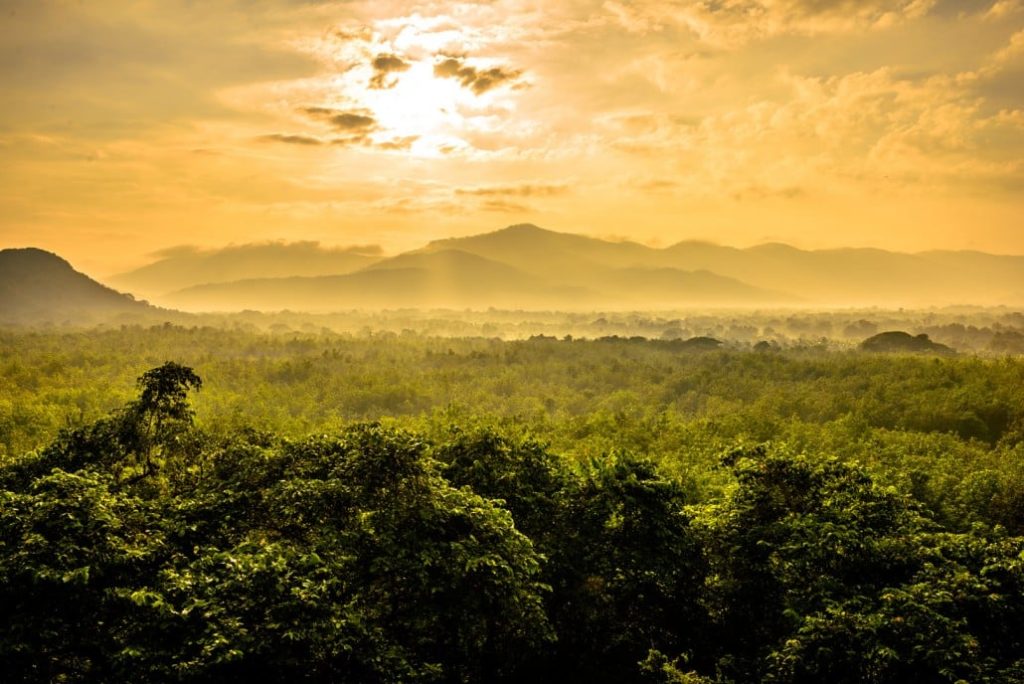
[[183, 267], [581, 272], [865, 276], [443, 279], [439, 277], [845, 277], [37, 286], [528, 267]]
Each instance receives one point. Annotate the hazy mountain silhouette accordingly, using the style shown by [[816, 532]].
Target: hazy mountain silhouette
[[183, 267], [621, 273], [447, 278], [457, 278], [863, 276], [525, 266], [38, 287], [545, 252]]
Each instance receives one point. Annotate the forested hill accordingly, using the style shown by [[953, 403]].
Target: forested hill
[[37, 286]]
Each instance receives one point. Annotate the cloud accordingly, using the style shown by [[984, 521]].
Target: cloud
[[392, 144], [734, 23], [503, 206], [653, 185], [526, 190], [403, 143], [357, 128], [352, 140], [1002, 8], [477, 80], [175, 251], [291, 139], [282, 247], [760, 192], [358, 121], [866, 131], [384, 65], [1013, 50]]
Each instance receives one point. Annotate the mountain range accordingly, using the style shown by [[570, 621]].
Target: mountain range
[[524, 266], [181, 267], [518, 267]]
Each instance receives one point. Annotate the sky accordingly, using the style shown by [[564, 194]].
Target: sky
[[131, 127]]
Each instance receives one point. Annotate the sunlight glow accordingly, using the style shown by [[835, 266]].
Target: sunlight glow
[[419, 104]]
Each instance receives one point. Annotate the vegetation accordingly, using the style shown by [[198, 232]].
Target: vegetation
[[402, 508]]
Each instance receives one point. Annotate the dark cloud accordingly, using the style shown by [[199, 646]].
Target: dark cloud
[[365, 250], [175, 251], [398, 143], [383, 66], [1002, 90], [363, 33], [504, 206], [366, 141], [352, 140], [477, 80], [525, 190], [356, 122], [956, 8], [291, 139], [353, 129]]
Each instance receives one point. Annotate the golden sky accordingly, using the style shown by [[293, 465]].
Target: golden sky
[[128, 127]]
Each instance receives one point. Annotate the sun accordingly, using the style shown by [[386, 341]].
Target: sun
[[420, 105]]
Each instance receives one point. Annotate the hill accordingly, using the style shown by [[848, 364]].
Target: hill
[[527, 267], [457, 279], [782, 274], [897, 341], [442, 279], [863, 277], [546, 253], [38, 287], [182, 267]]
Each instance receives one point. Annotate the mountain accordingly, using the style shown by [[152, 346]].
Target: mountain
[[546, 252], [454, 278], [448, 278], [832, 277], [525, 266], [38, 287], [619, 273], [183, 267], [862, 277]]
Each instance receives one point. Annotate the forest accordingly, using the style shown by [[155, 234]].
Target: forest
[[214, 504]]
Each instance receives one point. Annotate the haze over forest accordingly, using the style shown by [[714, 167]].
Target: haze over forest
[[892, 124]]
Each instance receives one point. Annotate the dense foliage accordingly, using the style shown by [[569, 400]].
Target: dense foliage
[[405, 508], [144, 546], [948, 431]]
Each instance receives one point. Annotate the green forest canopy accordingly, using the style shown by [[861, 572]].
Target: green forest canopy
[[426, 509], [140, 548]]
